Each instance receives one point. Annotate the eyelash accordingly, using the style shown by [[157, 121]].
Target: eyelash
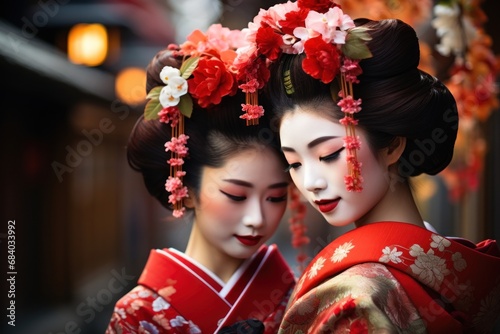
[[242, 198], [233, 197], [334, 156], [292, 166], [278, 199]]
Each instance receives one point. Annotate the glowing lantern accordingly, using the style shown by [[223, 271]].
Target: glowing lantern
[[129, 86], [88, 44]]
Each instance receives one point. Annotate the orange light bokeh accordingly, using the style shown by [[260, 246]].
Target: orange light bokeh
[[130, 85], [88, 44]]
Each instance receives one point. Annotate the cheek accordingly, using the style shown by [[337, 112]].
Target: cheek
[[295, 179], [374, 174], [298, 181], [334, 173], [274, 215], [215, 206], [278, 211]]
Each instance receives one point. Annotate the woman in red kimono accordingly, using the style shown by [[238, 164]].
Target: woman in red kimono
[[230, 177], [357, 119]]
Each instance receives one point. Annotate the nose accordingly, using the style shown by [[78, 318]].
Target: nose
[[254, 214], [314, 182]]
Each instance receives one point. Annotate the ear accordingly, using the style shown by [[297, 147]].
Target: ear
[[392, 153], [189, 202]]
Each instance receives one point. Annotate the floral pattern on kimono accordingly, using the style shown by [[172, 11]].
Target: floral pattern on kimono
[[391, 277], [144, 311], [365, 298]]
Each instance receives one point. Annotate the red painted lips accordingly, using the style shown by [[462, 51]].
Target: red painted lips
[[327, 205], [248, 240]]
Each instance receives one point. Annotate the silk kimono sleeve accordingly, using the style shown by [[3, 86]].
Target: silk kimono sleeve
[[449, 285], [144, 311], [365, 298]]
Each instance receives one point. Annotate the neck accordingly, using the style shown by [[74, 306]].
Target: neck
[[398, 204], [210, 256]]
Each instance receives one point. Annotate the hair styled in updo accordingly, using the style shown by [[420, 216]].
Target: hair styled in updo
[[215, 135], [398, 99]]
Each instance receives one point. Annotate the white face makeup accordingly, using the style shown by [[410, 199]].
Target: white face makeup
[[313, 146], [241, 204]]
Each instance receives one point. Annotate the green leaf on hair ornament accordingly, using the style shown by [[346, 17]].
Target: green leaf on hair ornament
[[355, 46], [154, 93], [287, 81], [153, 106], [448, 3], [186, 105], [188, 67]]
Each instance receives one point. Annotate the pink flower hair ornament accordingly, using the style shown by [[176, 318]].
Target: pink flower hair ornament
[[333, 47], [205, 76]]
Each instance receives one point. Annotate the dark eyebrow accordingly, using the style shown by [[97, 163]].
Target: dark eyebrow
[[279, 185], [249, 185], [313, 143]]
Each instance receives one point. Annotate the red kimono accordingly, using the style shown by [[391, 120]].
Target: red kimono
[[392, 277], [177, 295]]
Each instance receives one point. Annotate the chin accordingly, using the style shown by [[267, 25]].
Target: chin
[[245, 253], [337, 222]]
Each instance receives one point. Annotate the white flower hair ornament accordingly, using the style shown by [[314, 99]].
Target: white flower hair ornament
[[203, 79], [174, 104]]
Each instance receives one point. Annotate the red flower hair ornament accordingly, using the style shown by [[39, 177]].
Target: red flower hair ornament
[[204, 78], [333, 47]]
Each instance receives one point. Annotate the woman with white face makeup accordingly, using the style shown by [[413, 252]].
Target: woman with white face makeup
[[231, 177], [357, 119], [317, 165]]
